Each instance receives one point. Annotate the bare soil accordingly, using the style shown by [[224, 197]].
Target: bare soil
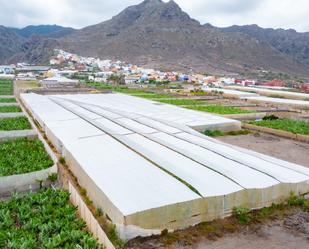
[[291, 232], [282, 148]]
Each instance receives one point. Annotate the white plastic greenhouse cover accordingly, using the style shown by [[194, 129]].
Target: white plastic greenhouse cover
[[143, 157]]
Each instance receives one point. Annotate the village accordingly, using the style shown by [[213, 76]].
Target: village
[[67, 68]]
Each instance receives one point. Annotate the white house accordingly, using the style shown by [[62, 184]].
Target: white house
[[59, 81]]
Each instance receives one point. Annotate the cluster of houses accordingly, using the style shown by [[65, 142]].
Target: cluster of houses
[[67, 69]]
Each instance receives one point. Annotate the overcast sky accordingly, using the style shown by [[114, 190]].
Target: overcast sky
[[80, 13]]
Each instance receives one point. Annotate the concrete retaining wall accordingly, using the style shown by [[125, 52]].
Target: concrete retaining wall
[[246, 116], [24, 182], [280, 133], [12, 115], [5, 135], [92, 224]]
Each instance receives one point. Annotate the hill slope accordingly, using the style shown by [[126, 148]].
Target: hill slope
[[161, 35], [289, 42], [54, 31]]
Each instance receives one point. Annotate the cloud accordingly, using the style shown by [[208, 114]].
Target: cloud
[[81, 13]]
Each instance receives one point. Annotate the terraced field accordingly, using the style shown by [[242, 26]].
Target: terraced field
[[12, 124], [23, 156], [6, 87], [290, 125], [43, 220], [9, 109]]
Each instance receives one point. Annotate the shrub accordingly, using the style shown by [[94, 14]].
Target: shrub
[[243, 215], [270, 117]]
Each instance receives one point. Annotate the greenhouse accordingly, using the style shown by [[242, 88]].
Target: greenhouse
[[145, 166]]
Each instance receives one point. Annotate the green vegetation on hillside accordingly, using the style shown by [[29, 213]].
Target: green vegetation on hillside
[[12, 108], [43, 220], [11, 124], [23, 156], [294, 126]]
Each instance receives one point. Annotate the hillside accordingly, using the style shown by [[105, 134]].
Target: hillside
[[10, 43], [160, 35], [289, 42], [53, 31]]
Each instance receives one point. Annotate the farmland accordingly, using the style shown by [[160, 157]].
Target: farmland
[[6, 87], [7, 100], [219, 109], [11, 124], [290, 125], [173, 100], [7, 109], [43, 220], [23, 156]]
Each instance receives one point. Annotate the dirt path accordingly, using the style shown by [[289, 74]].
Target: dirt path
[[286, 149], [291, 232]]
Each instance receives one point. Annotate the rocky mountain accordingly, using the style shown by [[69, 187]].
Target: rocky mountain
[[10, 43], [289, 42], [160, 35], [53, 31]]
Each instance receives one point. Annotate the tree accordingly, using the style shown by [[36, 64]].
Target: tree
[[117, 79]]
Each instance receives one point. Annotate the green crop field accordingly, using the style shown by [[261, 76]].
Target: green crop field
[[219, 109], [181, 102], [23, 156], [7, 100], [294, 126], [153, 96], [6, 87], [43, 220], [7, 109], [11, 124]]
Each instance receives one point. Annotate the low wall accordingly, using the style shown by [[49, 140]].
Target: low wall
[[246, 116], [24, 182], [225, 127], [280, 133], [8, 104], [6, 135], [92, 224], [11, 115]]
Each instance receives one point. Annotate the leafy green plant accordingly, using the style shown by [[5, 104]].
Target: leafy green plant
[[8, 109], [43, 220], [53, 177], [296, 201], [23, 156], [243, 215], [270, 117], [213, 133], [10, 124], [62, 160], [290, 125]]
